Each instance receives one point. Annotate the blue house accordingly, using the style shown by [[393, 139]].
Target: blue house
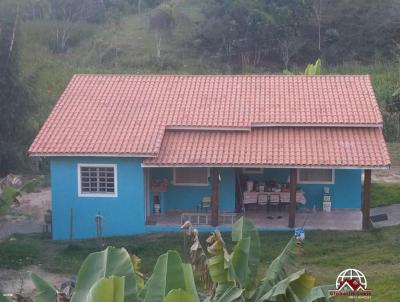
[[131, 154]]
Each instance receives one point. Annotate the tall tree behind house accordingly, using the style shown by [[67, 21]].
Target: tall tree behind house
[[15, 103]]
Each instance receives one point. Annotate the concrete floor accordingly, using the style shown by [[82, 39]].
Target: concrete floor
[[338, 219], [393, 213]]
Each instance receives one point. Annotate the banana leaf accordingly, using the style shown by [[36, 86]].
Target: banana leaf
[[318, 293], [45, 292], [245, 257], [217, 268], [277, 270], [179, 295], [169, 274], [231, 294], [107, 290], [300, 283], [110, 262]]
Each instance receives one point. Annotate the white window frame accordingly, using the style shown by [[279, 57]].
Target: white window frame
[[88, 194], [191, 184], [316, 182], [246, 171]]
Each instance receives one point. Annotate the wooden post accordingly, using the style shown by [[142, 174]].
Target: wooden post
[[366, 199], [214, 198], [292, 204]]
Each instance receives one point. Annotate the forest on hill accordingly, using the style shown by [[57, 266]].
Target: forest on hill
[[44, 42]]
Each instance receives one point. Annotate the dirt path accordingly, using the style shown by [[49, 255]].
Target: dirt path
[[19, 281], [28, 217]]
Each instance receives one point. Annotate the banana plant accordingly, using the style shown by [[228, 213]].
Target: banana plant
[[313, 69], [234, 275], [110, 276]]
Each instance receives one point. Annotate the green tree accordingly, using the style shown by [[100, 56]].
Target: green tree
[[15, 100]]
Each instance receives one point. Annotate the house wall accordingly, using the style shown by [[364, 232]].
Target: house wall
[[345, 192], [123, 214], [189, 197]]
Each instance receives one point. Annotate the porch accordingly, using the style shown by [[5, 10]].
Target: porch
[[337, 219], [276, 198]]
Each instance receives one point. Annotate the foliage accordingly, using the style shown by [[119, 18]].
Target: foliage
[[313, 69], [378, 254], [11, 194], [162, 22], [383, 194], [15, 100], [212, 36], [110, 275], [234, 274]]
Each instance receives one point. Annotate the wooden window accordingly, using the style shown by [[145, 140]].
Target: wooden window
[[316, 176], [97, 180], [253, 170], [191, 176]]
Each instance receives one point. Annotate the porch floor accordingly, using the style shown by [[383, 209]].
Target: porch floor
[[337, 219]]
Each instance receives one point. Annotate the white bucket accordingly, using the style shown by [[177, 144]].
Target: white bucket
[[157, 209]]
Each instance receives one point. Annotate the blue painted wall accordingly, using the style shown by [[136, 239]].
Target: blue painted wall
[[123, 215], [345, 192], [189, 197]]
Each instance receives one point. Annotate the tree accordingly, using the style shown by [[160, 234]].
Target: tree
[[15, 101], [162, 23]]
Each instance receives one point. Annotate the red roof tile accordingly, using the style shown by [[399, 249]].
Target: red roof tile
[[128, 114], [277, 146]]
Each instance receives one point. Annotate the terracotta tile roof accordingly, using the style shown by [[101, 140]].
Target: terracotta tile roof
[[277, 146], [128, 114]]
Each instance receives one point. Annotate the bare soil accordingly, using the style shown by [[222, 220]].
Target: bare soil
[[387, 176], [28, 216], [19, 281]]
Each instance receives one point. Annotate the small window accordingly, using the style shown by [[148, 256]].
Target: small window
[[317, 176], [191, 176], [253, 170], [97, 180]]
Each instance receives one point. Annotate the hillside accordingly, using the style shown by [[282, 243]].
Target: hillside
[[192, 37]]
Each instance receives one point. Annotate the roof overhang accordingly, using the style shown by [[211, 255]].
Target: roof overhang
[[144, 155], [270, 167]]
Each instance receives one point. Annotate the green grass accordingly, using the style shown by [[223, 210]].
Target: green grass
[[376, 253], [394, 151], [384, 194]]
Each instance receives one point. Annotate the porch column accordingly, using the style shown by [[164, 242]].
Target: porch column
[[366, 199], [214, 197], [292, 204]]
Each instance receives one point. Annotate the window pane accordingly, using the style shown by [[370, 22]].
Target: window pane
[[315, 175], [97, 180], [191, 176]]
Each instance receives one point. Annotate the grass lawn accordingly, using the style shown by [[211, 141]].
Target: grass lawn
[[376, 253], [385, 194]]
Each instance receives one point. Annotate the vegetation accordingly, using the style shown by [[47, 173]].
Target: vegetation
[[326, 254], [53, 39], [383, 194], [111, 275]]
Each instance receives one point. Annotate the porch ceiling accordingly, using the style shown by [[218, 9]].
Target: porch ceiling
[[313, 147]]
